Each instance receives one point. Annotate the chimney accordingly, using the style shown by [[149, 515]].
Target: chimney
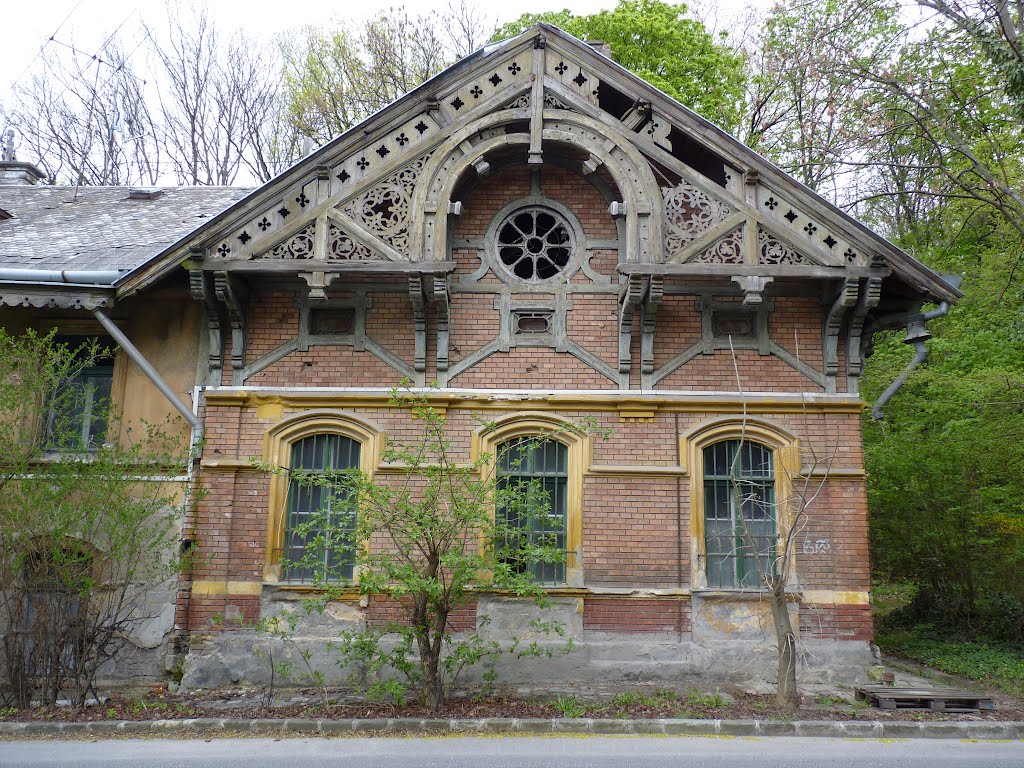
[[13, 172], [601, 47]]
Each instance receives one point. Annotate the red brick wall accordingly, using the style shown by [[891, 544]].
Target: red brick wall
[[836, 622], [532, 368], [636, 615], [630, 532]]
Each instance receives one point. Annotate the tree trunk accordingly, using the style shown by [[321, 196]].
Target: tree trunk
[[786, 693]]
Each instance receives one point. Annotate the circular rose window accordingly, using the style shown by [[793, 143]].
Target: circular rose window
[[535, 244]]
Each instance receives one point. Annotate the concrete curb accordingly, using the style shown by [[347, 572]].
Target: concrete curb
[[870, 729]]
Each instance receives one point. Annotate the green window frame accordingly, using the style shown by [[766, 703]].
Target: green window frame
[[334, 541], [542, 467], [739, 514]]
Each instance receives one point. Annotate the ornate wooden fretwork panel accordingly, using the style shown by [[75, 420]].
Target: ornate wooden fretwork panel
[[773, 251], [689, 213], [298, 246], [384, 209], [341, 247], [728, 250], [502, 77]]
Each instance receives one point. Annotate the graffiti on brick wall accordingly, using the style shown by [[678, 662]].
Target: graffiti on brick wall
[[817, 546]]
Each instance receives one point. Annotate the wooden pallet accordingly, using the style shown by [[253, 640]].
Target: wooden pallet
[[935, 699]]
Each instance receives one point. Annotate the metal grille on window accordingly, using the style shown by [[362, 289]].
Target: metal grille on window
[[319, 536], [540, 467], [535, 244], [739, 513]]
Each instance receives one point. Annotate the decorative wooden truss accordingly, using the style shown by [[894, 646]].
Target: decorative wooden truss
[[692, 202]]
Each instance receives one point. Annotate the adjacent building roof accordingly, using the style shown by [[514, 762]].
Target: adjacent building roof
[[100, 228]]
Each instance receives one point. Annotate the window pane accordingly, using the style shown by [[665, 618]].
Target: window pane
[[539, 468], [330, 544], [739, 513]]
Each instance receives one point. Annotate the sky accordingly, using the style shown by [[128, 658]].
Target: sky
[[85, 24]]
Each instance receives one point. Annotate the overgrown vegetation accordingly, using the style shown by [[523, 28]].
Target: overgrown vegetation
[[990, 663], [914, 127], [441, 528], [84, 535]]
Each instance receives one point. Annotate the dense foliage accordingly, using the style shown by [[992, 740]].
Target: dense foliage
[[661, 44], [88, 523], [913, 126]]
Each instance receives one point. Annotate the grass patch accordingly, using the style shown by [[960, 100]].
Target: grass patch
[[569, 706], [991, 663], [710, 700]]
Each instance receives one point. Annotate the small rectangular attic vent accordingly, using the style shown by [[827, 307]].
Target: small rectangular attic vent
[[144, 193]]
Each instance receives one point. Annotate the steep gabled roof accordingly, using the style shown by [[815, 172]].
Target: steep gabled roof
[[100, 228], [694, 200]]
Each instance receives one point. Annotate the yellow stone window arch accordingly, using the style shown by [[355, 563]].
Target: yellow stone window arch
[[506, 430], [277, 452]]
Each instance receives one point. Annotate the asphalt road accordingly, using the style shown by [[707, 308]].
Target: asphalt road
[[514, 752]]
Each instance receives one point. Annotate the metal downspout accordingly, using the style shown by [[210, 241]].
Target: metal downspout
[[920, 357], [148, 370], [917, 334]]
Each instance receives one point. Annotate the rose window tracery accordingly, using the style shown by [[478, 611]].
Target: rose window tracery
[[535, 244]]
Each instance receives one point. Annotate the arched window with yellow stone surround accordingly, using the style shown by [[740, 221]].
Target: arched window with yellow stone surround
[[540, 468], [742, 474], [551, 454], [739, 513], [317, 441], [319, 513]]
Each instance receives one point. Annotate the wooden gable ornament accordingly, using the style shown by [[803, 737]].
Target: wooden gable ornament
[[688, 199]]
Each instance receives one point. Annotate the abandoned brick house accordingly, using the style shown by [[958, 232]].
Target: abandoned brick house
[[546, 237]]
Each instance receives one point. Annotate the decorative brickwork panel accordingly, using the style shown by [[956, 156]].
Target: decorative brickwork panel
[[589, 323], [678, 327], [273, 321], [475, 323], [795, 325], [631, 532], [758, 373], [636, 616], [327, 366], [526, 368], [388, 322]]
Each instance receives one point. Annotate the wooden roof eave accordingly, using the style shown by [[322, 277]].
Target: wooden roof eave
[[743, 158], [365, 131], [296, 266]]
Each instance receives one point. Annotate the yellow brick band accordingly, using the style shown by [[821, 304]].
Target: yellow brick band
[[204, 587]]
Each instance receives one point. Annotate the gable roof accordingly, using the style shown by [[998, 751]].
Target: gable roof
[[458, 105], [100, 228]]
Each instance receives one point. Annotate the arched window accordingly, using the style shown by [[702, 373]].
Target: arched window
[[739, 513], [540, 469], [320, 518], [318, 440]]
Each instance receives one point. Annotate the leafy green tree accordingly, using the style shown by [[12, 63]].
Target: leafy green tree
[[427, 542], [85, 537], [658, 42], [336, 77]]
